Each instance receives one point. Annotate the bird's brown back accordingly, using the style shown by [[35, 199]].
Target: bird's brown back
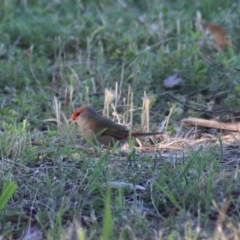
[[105, 126]]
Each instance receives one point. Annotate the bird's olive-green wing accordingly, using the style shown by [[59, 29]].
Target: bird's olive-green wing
[[106, 126]]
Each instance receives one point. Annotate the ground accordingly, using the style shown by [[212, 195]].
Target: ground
[[145, 64]]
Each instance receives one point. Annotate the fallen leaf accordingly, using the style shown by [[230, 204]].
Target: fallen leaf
[[118, 184], [172, 81], [219, 35]]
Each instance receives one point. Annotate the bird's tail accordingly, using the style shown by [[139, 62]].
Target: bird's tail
[[141, 134]]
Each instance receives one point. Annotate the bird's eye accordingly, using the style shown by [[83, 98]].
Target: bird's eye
[[76, 114]]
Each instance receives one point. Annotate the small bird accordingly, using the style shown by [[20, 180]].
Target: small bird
[[99, 129]]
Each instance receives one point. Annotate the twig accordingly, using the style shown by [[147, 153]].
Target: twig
[[220, 110], [211, 124]]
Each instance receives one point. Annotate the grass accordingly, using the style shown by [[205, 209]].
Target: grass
[[59, 55]]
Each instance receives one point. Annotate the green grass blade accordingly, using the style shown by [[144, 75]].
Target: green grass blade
[[107, 218], [170, 195], [7, 192]]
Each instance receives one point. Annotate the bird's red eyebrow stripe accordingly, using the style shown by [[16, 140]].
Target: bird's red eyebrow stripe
[[76, 113]]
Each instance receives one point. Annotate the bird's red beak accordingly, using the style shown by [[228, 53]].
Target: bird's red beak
[[70, 120]]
